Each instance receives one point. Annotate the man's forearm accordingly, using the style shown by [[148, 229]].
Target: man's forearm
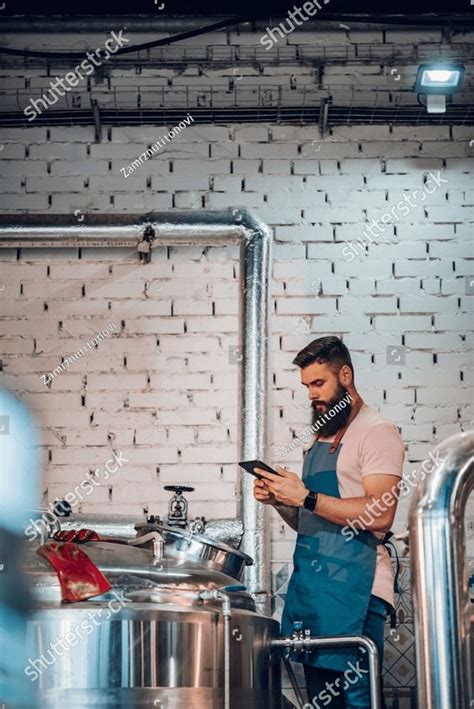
[[376, 516], [289, 514]]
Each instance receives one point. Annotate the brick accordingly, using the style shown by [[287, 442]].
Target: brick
[[214, 167], [330, 150], [446, 395], [421, 164], [111, 381], [52, 290], [418, 267], [361, 166], [267, 150], [426, 232], [363, 267], [120, 183], [298, 233], [401, 323], [54, 184], [154, 325], [122, 289], [58, 151], [406, 148], [87, 167], [305, 306], [251, 134], [11, 151]]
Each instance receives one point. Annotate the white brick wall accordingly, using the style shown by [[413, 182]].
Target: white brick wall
[[178, 315]]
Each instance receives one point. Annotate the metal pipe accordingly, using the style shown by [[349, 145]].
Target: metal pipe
[[229, 226], [49, 522], [158, 544], [38, 24], [440, 592], [219, 595], [294, 683], [306, 643]]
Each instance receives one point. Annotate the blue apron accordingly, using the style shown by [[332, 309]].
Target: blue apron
[[330, 587]]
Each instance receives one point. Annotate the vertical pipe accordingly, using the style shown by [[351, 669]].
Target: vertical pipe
[[254, 388], [440, 592]]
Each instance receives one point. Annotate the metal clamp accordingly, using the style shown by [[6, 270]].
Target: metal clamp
[[144, 245]]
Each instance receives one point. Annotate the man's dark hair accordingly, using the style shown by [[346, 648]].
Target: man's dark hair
[[328, 350]]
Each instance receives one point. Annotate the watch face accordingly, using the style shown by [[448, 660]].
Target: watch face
[[310, 502]]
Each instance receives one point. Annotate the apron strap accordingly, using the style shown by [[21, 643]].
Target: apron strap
[[391, 546]]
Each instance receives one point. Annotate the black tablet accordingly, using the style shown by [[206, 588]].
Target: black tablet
[[250, 465]]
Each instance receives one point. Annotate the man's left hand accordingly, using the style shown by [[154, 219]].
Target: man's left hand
[[287, 487]]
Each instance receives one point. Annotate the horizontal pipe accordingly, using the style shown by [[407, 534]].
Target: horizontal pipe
[[64, 231], [177, 24], [307, 643]]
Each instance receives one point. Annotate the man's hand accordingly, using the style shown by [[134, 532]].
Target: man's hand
[[287, 487], [262, 493]]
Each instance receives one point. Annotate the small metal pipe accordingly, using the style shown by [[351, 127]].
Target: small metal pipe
[[49, 522], [440, 592], [307, 642], [294, 683], [158, 543]]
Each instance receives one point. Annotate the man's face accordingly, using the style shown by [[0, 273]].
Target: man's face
[[324, 391]]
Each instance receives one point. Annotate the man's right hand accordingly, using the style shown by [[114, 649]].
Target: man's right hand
[[262, 493]]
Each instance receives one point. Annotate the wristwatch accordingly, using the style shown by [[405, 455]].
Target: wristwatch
[[310, 501]]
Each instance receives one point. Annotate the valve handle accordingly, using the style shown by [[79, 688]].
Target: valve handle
[[179, 488]]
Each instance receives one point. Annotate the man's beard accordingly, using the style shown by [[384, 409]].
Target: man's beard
[[332, 425]]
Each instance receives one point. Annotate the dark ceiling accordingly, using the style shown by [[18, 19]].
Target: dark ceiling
[[247, 8]]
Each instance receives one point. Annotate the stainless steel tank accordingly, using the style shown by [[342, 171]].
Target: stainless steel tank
[[176, 630]]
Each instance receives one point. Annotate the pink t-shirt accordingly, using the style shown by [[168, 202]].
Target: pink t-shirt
[[370, 446]]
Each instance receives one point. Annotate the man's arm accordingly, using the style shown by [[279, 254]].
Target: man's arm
[[381, 462], [375, 511], [288, 514], [377, 507]]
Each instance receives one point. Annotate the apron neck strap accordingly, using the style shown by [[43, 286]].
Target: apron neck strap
[[355, 410]]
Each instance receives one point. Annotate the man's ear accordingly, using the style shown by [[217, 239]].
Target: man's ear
[[345, 375]]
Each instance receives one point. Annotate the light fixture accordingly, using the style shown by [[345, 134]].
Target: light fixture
[[436, 81]]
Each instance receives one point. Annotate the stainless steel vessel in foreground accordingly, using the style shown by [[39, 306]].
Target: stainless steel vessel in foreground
[[172, 632], [440, 592]]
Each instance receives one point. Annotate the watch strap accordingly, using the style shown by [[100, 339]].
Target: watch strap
[[310, 500]]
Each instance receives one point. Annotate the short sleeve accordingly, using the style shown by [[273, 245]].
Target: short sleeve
[[383, 451]]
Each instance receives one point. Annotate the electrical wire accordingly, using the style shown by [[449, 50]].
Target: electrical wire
[[127, 50], [397, 20]]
